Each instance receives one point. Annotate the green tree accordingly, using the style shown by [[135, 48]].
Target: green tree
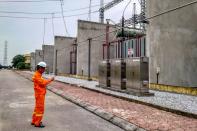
[[27, 66], [20, 65], [18, 59]]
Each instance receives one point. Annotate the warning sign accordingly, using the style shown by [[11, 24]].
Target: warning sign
[[130, 51]]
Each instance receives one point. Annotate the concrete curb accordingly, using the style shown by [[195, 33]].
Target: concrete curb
[[98, 111], [175, 111]]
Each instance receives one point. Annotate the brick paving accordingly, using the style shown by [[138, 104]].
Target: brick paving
[[143, 116]]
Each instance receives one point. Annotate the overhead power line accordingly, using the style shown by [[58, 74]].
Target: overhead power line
[[61, 4], [25, 1], [46, 13], [165, 12], [176, 8], [21, 17], [38, 18], [78, 14], [151, 17]]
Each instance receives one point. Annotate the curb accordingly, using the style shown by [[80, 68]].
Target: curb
[[175, 111], [98, 111]]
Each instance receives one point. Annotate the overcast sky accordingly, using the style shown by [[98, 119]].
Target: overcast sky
[[26, 35]]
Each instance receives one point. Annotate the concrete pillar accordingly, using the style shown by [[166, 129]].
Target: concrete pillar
[[48, 53], [62, 48]]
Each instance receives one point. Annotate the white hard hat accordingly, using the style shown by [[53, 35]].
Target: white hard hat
[[42, 64]]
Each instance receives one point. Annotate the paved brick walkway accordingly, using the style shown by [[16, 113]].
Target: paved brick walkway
[[144, 116]]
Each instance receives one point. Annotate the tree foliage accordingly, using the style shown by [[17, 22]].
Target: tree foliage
[[20, 65], [19, 62], [17, 59]]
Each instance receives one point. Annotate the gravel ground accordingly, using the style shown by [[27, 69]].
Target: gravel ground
[[185, 103]]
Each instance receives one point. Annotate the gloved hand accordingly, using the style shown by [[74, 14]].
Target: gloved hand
[[53, 78]]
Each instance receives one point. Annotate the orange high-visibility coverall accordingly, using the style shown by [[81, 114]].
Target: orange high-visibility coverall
[[40, 91]]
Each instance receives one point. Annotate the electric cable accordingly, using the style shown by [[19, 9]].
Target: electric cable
[[26, 1], [62, 10], [174, 9], [47, 13], [27, 17]]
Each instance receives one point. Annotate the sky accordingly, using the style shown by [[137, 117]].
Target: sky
[[26, 35]]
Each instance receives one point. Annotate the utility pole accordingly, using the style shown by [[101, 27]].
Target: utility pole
[[44, 26], [90, 10], [5, 61]]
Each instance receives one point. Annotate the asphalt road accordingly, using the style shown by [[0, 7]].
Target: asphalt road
[[17, 102]]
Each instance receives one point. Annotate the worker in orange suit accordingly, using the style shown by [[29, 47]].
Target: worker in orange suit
[[40, 90]]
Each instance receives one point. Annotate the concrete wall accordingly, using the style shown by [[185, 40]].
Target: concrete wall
[[38, 56], [86, 30], [48, 54], [173, 43], [63, 46], [32, 61]]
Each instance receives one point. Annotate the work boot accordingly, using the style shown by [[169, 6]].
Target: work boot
[[40, 125], [33, 123]]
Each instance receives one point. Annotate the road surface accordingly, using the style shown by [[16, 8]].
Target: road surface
[[17, 102]]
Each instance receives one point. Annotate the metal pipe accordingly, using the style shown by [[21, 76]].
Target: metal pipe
[[144, 46], [75, 69], [157, 78], [43, 54], [89, 58], [71, 62], [122, 37], [107, 40], [140, 46], [55, 62], [103, 51]]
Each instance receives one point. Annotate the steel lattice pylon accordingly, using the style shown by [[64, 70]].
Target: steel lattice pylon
[[143, 13], [106, 7], [5, 61]]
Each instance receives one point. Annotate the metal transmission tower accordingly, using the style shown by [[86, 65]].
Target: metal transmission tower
[[137, 18], [101, 11], [134, 15], [5, 61], [106, 7], [143, 14]]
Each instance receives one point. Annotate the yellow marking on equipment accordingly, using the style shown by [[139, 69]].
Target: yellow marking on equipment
[[175, 89]]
